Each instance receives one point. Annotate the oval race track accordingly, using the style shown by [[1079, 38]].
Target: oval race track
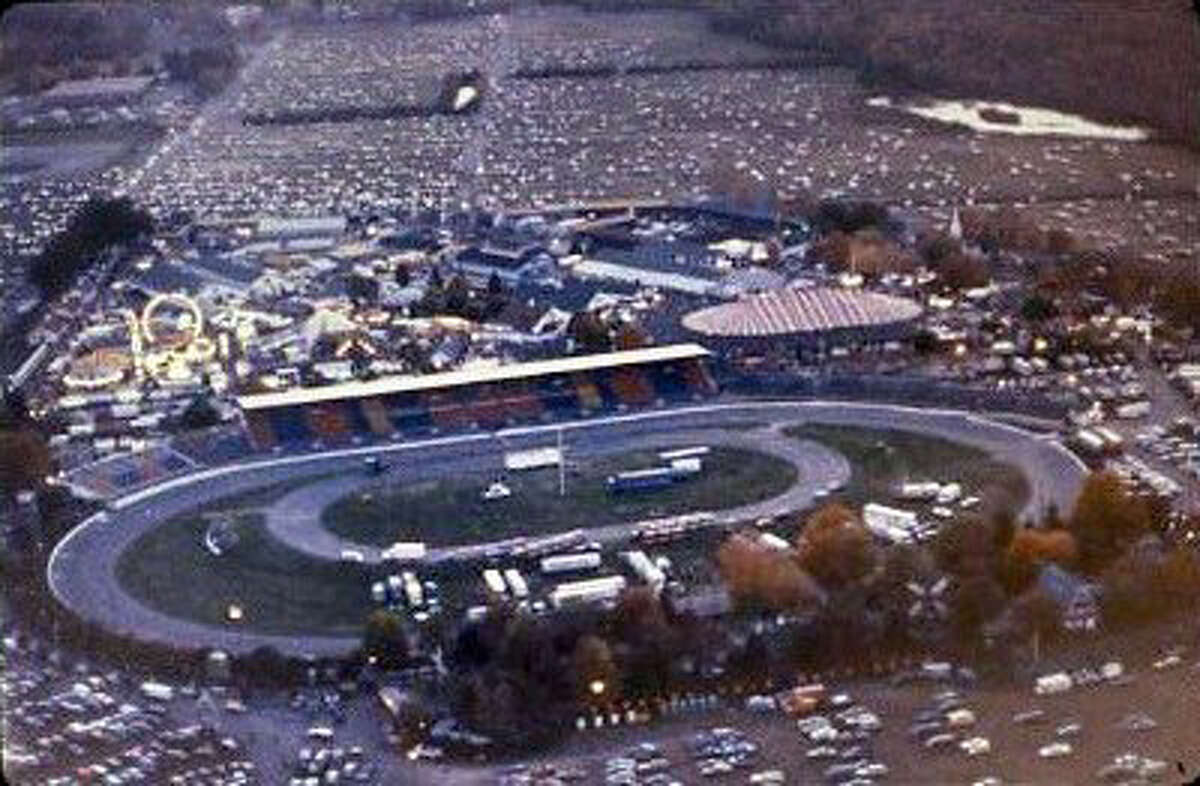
[[82, 576]]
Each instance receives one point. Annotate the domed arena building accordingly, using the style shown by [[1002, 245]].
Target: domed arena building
[[808, 316]]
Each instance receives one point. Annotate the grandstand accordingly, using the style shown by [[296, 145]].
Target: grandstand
[[416, 406]]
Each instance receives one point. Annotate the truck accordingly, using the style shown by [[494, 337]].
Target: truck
[[516, 583], [645, 569], [588, 591], [773, 541], [412, 590], [641, 480], [561, 563], [494, 581]]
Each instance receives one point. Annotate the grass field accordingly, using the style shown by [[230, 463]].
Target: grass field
[[452, 511], [882, 459], [281, 590]]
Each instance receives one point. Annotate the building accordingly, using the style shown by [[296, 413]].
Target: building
[[512, 266], [492, 397], [807, 316], [108, 91], [1078, 599]]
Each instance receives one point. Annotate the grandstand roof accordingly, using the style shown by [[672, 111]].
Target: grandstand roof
[[791, 311], [407, 384]]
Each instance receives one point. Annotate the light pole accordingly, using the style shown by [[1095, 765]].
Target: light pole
[[562, 467]]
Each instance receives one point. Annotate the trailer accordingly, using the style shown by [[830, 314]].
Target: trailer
[[494, 581], [681, 453], [892, 524], [918, 492], [405, 551], [412, 590], [561, 563], [588, 591], [534, 458], [1114, 443], [516, 583], [773, 541], [641, 480], [645, 569]]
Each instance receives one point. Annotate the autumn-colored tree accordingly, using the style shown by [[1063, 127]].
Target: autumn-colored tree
[[835, 548], [1036, 613], [833, 250], [976, 599], [1128, 598], [967, 547], [639, 614], [589, 332], [1106, 518], [763, 576], [630, 336], [1177, 580], [1029, 549]]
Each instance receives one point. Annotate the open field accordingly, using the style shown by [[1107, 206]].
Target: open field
[[881, 460], [452, 511], [281, 590]]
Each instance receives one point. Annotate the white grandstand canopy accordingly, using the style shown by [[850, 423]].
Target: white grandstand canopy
[[447, 379]]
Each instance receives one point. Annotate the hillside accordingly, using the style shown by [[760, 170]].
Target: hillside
[[1118, 60]]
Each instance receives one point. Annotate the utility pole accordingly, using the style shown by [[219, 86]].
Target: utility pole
[[562, 467]]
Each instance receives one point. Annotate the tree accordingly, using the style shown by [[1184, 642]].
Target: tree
[[967, 547], [835, 548], [24, 460], [362, 289], [1037, 614], [1038, 308], [589, 332], [1106, 518], [1030, 549], [403, 275], [384, 639], [761, 576], [630, 336], [976, 600], [97, 226], [593, 670], [200, 413], [458, 296]]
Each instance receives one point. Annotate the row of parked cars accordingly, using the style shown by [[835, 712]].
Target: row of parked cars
[[68, 726]]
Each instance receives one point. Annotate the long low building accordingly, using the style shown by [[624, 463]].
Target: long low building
[[417, 406]]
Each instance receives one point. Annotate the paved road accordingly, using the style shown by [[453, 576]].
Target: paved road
[[295, 518], [81, 570]]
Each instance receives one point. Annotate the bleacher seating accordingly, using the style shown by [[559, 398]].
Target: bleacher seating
[[559, 389]]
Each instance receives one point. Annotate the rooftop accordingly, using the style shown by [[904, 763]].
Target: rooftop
[[408, 384]]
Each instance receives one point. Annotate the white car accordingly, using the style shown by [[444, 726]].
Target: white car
[[976, 746], [1056, 750], [497, 491]]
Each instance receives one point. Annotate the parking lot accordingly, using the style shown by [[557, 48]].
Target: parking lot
[[1101, 730]]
